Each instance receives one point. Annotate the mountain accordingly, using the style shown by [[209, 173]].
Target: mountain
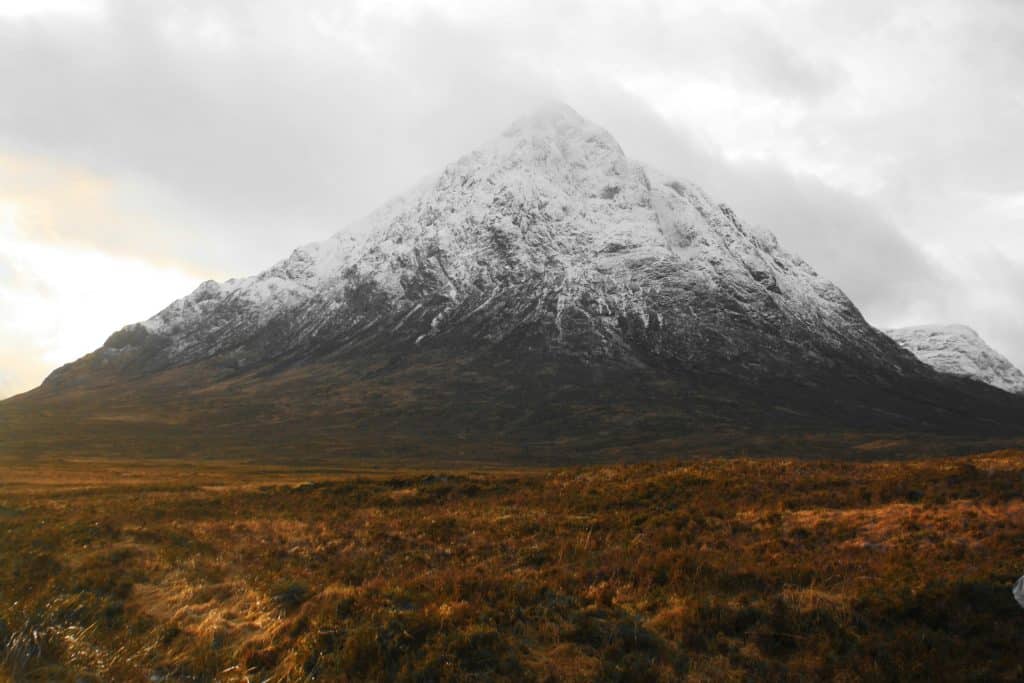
[[543, 295], [547, 239], [959, 350]]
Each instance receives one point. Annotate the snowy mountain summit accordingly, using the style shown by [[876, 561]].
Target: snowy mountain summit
[[546, 238], [959, 350], [543, 288]]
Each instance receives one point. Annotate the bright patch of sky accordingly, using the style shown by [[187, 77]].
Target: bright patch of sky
[[58, 301]]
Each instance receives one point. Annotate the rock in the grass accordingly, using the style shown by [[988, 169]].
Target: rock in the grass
[[1018, 591]]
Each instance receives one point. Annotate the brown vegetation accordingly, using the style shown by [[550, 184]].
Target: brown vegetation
[[701, 570]]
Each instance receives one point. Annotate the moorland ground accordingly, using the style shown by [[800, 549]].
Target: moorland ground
[[704, 570]]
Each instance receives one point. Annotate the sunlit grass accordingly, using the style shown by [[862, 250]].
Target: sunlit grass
[[699, 570]]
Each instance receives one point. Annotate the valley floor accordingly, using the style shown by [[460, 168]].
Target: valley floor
[[700, 570]]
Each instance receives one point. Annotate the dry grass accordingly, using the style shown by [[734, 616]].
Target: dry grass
[[718, 570]]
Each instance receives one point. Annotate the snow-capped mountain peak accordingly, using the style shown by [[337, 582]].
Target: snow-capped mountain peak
[[547, 233], [542, 288], [959, 350]]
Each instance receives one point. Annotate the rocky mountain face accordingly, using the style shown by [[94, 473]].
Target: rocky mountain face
[[959, 350], [542, 289]]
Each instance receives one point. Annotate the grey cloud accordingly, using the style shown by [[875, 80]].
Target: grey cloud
[[961, 128], [995, 308], [265, 143], [762, 60], [708, 43]]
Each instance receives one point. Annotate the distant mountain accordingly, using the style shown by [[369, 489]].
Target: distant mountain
[[959, 350], [544, 293]]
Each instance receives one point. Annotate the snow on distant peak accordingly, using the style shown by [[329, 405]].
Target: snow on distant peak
[[959, 350]]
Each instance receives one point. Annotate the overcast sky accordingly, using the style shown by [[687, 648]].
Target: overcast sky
[[147, 146]]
